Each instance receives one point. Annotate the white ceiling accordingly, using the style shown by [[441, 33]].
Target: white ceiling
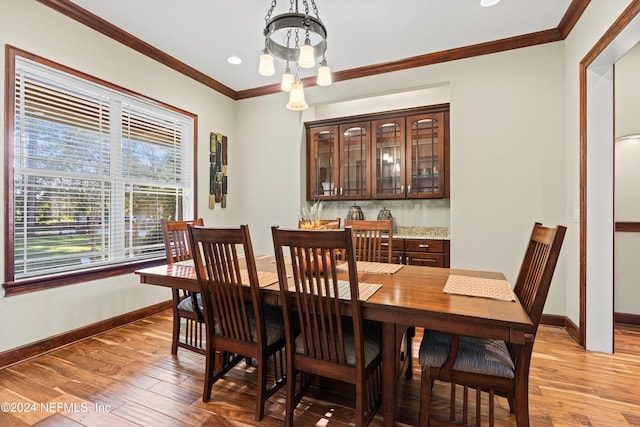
[[204, 33]]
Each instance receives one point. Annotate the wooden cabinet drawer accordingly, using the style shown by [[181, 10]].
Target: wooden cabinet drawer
[[424, 245], [397, 251], [426, 260]]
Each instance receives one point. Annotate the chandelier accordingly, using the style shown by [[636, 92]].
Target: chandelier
[[299, 39]]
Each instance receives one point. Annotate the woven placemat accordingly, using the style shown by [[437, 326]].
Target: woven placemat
[[344, 290], [373, 267], [265, 278], [479, 287], [186, 263]]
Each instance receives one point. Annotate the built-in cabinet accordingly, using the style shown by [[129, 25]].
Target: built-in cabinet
[[392, 155]]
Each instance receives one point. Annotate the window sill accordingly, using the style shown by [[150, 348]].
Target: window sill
[[50, 282]]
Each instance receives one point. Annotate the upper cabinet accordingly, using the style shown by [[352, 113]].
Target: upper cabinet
[[391, 155]]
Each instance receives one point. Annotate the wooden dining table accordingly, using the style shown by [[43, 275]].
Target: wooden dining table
[[412, 296]]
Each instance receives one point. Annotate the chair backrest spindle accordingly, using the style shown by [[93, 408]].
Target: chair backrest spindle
[[373, 240], [176, 239]]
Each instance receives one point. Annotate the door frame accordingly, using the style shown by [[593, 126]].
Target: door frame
[[596, 86]]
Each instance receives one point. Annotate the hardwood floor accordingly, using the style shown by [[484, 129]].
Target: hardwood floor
[[127, 377]]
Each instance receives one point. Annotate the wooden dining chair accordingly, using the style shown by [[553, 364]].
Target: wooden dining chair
[[187, 306], [243, 327], [373, 240], [488, 364], [320, 341]]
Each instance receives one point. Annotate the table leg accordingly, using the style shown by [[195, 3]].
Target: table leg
[[389, 366]]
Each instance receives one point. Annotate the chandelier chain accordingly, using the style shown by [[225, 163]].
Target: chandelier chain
[[270, 11], [315, 10]]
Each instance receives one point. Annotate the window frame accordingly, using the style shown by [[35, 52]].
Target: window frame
[[10, 284]]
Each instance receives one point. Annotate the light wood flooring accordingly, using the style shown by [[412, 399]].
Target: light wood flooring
[[127, 377]]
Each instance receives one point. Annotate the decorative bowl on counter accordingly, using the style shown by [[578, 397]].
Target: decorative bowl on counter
[[384, 214], [355, 212]]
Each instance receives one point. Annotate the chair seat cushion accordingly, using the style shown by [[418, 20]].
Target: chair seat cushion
[[187, 303], [274, 323], [475, 355], [372, 341]]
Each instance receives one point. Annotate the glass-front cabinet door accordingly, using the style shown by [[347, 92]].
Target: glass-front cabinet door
[[322, 168], [355, 164], [388, 159], [425, 154]]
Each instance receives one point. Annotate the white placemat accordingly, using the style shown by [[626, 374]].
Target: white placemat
[[373, 267], [265, 278], [479, 287], [344, 290]]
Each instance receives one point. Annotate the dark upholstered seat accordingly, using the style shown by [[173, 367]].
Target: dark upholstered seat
[[475, 355]]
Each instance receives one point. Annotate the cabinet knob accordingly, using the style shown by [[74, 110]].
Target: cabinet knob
[[341, 191], [409, 189], [423, 246], [402, 188]]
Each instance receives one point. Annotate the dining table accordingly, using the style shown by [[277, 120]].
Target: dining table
[[402, 297]]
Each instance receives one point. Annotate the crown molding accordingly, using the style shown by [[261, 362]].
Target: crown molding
[[73, 11]]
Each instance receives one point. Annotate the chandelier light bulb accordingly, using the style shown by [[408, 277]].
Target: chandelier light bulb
[[287, 82], [266, 67], [307, 58], [287, 79], [296, 98], [324, 74]]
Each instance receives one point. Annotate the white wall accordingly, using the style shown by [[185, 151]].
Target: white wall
[[38, 29], [507, 151]]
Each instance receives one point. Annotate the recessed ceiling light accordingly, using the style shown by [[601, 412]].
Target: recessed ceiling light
[[234, 60], [489, 3]]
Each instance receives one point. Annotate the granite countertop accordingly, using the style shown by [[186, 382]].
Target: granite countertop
[[441, 233]]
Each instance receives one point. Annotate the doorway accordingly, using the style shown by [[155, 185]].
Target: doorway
[[596, 180], [627, 182]]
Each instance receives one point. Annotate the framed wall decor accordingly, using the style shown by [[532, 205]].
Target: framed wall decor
[[217, 170]]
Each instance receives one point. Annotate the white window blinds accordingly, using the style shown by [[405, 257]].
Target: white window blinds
[[95, 171]]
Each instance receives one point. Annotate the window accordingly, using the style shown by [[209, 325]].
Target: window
[[93, 170]]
